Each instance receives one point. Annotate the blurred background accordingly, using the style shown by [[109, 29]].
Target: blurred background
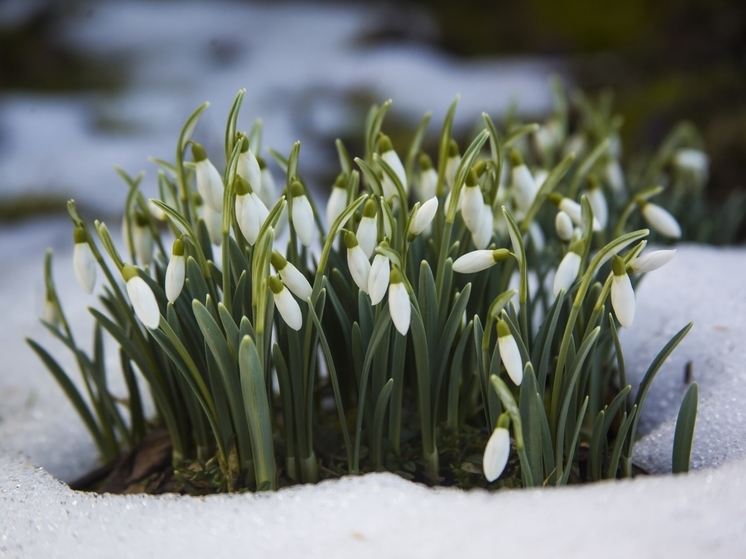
[[88, 84]]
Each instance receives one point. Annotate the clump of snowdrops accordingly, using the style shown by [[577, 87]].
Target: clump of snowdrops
[[452, 317]]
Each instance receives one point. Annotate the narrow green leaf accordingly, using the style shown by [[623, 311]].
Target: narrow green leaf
[[684, 435], [383, 400]]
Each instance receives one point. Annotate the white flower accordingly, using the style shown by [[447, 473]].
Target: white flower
[[563, 225], [378, 278], [367, 229], [544, 139], [598, 204], [301, 215], [614, 176], [496, 454], [483, 235], [286, 304], [399, 305], [390, 156], [651, 261], [692, 160], [424, 216], [357, 261], [509, 352], [142, 238], [176, 271], [268, 194], [478, 260], [250, 211], [537, 236], [452, 163], [291, 276], [214, 223], [573, 209], [428, 178], [155, 211], [471, 202], [575, 144], [660, 220], [84, 264], [622, 295], [248, 167], [540, 177], [337, 200], [50, 314], [524, 186], [568, 269], [142, 298], [209, 182]]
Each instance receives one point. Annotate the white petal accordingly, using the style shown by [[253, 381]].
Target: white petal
[[175, 274], [623, 299], [574, 210], [84, 266], [599, 206], [537, 236], [474, 261], [253, 214], [295, 281], [424, 216], [567, 271], [511, 358], [694, 160], [156, 212], [399, 307], [268, 193], [50, 314], [359, 267], [143, 301], [214, 223], [452, 164], [395, 163], [143, 239], [248, 169], [614, 176], [661, 221], [367, 235], [336, 205], [378, 279], [209, 184], [483, 235], [524, 187], [471, 206], [428, 184], [651, 261], [496, 454], [289, 309], [302, 219], [539, 177], [563, 225]]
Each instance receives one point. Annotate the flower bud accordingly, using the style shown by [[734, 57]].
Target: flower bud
[[423, 216], [248, 167], [284, 302], [390, 156], [622, 295], [209, 182], [651, 261], [367, 229], [337, 200], [509, 352], [471, 202], [660, 220], [176, 271], [563, 225], [84, 264], [496, 454], [301, 215], [378, 278], [357, 261], [478, 260], [568, 269], [452, 163], [142, 298], [399, 305], [428, 178], [291, 276]]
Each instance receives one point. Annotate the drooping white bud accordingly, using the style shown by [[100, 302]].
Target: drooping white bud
[[248, 166], [301, 215], [268, 194], [291, 276], [471, 202], [537, 237], [622, 294], [286, 304], [452, 163], [661, 220], [598, 204], [357, 261], [509, 352], [142, 298], [692, 160], [142, 238], [573, 209], [524, 186], [251, 212], [483, 235], [214, 223], [209, 182], [651, 261], [568, 269], [424, 216], [378, 278], [399, 305], [478, 260], [614, 176], [84, 264], [496, 454], [367, 229], [390, 156], [176, 271], [50, 314], [428, 178], [337, 200], [563, 225]]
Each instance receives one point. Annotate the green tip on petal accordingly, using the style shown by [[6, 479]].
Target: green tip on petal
[[500, 254], [370, 209], [261, 161], [340, 181], [556, 198], [351, 240], [198, 152], [516, 159], [296, 189], [178, 248], [503, 421], [79, 235], [197, 199], [128, 272], [618, 266], [244, 144], [242, 186], [481, 167], [278, 261], [471, 178], [503, 329], [384, 143], [140, 219], [452, 148], [425, 162], [276, 285], [395, 276], [577, 247]]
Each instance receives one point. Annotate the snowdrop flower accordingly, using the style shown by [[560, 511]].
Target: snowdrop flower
[[250, 210], [478, 260], [214, 223], [301, 215], [692, 160], [50, 314], [614, 176], [286, 304], [142, 298], [496, 453], [651, 261], [291, 276], [248, 166], [378, 279], [660, 220], [509, 352], [268, 193], [524, 186], [540, 176], [357, 261], [142, 238], [399, 305], [367, 229], [452, 163], [598, 203], [537, 236], [209, 182], [575, 144], [337, 200], [482, 236], [428, 178], [390, 156], [176, 271], [156, 212], [471, 202], [84, 264], [563, 225], [423, 216], [568, 269], [573, 209], [622, 295]]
